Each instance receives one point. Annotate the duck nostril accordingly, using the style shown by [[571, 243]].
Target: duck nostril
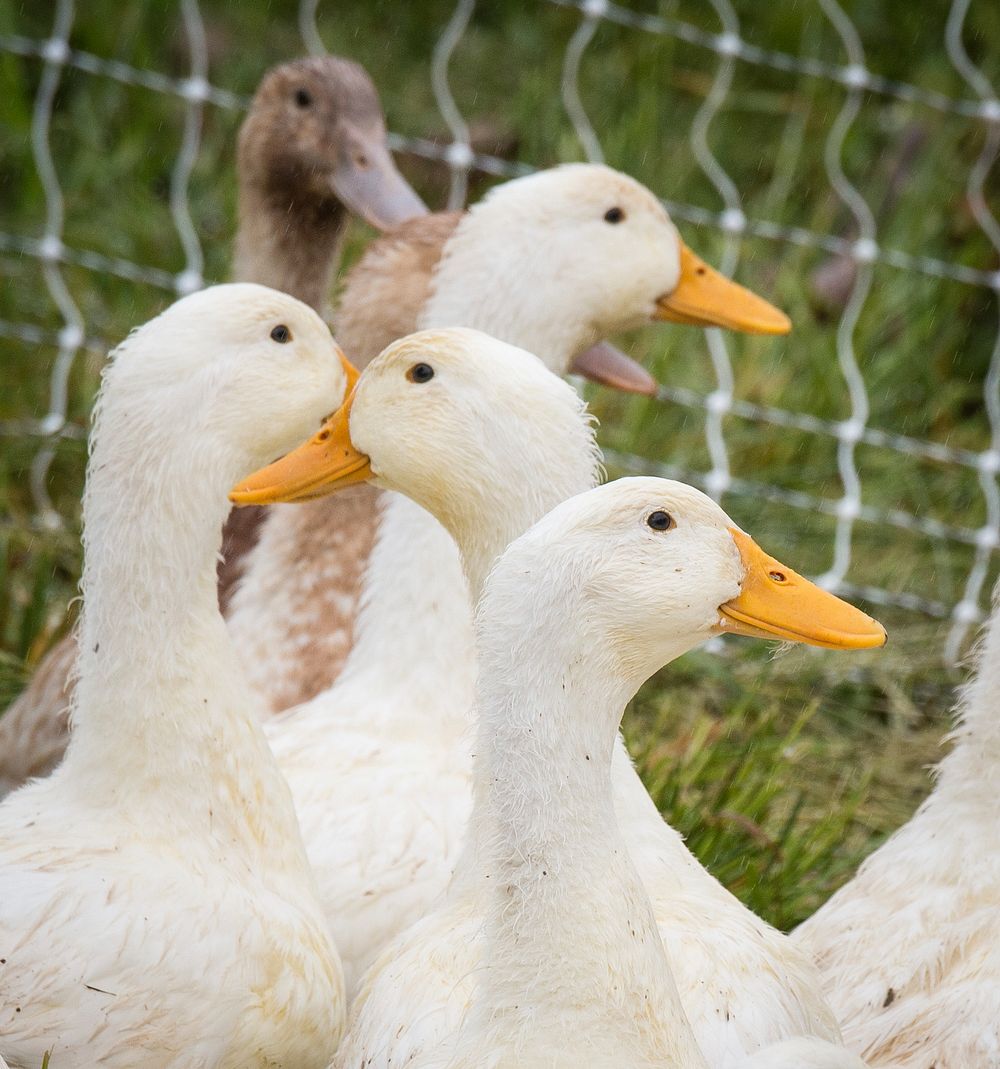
[[778, 577], [322, 436], [361, 160], [700, 271]]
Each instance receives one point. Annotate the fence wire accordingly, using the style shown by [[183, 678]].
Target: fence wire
[[718, 406]]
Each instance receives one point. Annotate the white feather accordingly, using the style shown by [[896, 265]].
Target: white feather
[[909, 950], [156, 906], [491, 444]]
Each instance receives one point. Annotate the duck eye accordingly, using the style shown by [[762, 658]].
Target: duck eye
[[303, 98], [281, 334], [420, 373], [614, 215], [660, 521]]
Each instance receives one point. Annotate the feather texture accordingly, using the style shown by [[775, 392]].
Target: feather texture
[[156, 905]]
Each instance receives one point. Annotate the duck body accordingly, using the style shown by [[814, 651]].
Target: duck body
[[742, 983], [909, 949], [419, 686], [241, 965], [571, 969], [156, 904]]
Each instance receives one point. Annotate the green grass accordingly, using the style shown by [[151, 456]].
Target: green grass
[[783, 771]]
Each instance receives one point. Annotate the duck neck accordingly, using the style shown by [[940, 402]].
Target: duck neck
[[414, 586], [568, 917], [970, 770], [415, 591], [287, 242], [483, 528], [164, 725]]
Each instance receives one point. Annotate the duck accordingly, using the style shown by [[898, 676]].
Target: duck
[[608, 275], [311, 149], [908, 949], [156, 902], [574, 616], [486, 439]]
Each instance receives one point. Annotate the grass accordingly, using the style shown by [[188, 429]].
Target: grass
[[783, 770]]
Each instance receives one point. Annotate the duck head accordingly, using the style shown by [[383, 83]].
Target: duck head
[[254, 368], [315, 133], [651, 568], [476, 431], [561, 259]]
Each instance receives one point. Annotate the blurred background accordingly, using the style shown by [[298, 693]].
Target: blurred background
[[837, 159]]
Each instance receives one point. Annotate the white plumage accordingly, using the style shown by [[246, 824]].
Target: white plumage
[[548, 951], [909, 950], [156, 906], [490, 443]]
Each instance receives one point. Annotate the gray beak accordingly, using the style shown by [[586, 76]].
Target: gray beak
[[609, 366], [368, 183]]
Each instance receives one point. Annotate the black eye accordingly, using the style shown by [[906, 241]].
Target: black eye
[[614, 215], [420, 373], [660, 521], [281, 334], [303, 98]]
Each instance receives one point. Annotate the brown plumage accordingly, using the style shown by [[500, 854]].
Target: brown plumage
[[33, 731], [301, 159], [311, 147], [385, 292], [303, 617]]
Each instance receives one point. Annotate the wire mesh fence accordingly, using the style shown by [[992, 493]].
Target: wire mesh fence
[[885, 493]]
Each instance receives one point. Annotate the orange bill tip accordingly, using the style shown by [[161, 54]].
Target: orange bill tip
[[327, 462], [704, 297], [777, 603]]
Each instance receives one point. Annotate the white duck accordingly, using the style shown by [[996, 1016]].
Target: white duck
[[156, 904], [537, 261], [909, 950], [481, 434], [574, 617], [311, 148]]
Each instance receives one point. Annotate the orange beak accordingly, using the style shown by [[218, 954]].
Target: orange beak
[[325, 463], [776, 602], [705, 298]]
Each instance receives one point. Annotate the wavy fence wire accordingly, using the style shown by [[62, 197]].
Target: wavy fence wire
[[728, 48]]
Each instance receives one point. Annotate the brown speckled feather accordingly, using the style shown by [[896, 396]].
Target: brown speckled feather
[[292, 611], [239, 536], [386, 290], [291, 616], [291, 600], [33, 731]]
